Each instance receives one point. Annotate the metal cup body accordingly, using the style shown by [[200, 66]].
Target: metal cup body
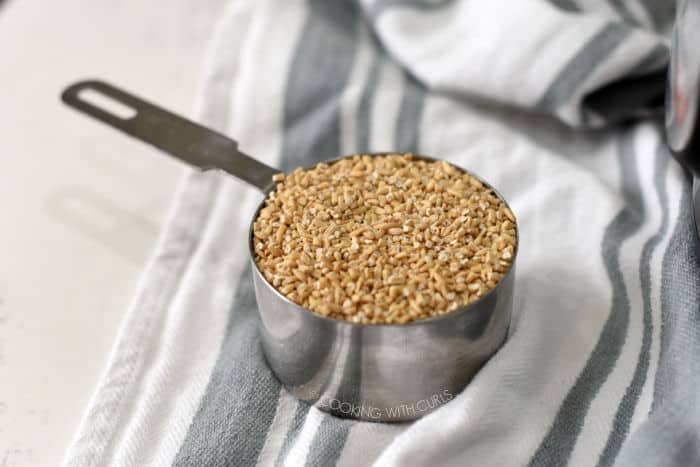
[[384, 373]]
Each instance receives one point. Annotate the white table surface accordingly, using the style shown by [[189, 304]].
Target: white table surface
[[81, 204]]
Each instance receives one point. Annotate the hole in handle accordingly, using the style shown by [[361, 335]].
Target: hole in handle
[[107, 104]]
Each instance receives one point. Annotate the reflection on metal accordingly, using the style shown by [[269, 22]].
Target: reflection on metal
[[682, 126], [684, 78]]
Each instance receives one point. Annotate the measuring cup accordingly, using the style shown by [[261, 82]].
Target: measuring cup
[[377, 372]]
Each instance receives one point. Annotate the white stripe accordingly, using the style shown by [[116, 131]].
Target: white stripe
[[385, 107], [602, 7], [350, 98], [299, 452], [278, 429], [366, 441]]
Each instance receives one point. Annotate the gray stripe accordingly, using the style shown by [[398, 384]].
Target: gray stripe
[[559, 442], [410, 115], [624, 12], [582, 65], [319, 73], [625, 411], [380, 6], [566, 5], [680, 305], [662, 13], [669, 437], [329, 441], [239, 404], [298, 419], [364, 109]]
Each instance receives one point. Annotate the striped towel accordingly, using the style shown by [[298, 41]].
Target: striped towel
[[543, 99]]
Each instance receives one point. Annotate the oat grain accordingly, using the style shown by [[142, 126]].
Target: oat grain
[[383, 239]]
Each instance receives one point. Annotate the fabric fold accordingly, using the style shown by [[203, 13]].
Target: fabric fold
[[531, 54]]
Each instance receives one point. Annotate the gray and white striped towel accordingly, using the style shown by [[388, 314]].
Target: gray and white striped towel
[[601, 366]]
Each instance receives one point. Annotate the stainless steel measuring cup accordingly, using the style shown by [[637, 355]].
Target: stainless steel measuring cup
[[379, 372]]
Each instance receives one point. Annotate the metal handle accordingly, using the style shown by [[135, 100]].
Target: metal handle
[[179, 137]]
